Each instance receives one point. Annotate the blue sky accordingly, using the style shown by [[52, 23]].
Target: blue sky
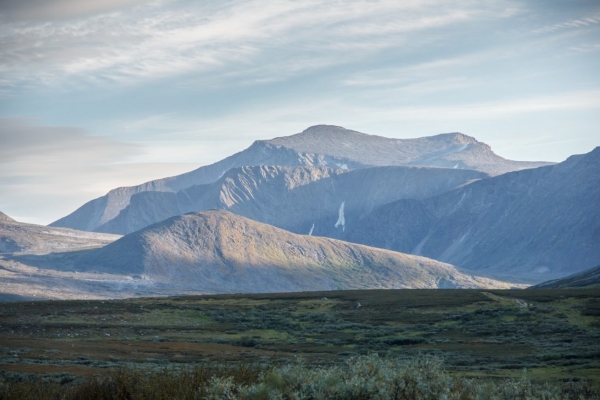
[[100, 94]]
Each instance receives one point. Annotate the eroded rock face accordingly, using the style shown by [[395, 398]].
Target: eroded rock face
[[316, 200], [320, 146]]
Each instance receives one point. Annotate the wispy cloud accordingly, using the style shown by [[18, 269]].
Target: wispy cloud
[[570, 24], [153, 40]]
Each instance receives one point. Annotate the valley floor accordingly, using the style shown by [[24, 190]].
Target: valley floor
[[554, 334]]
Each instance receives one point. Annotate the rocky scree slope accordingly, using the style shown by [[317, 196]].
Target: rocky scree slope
[[218, 251], [321, 145], [316, 200], [536, 224]]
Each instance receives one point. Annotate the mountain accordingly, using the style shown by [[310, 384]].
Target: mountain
[[321, 146], [317, 200], [586, 279], [22, 238], [535, 224], [218, 251], [5, 218]]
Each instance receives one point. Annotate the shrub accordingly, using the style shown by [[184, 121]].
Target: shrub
[[364, 377]]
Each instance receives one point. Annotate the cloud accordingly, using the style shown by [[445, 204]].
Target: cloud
[[48, 171], [55, 146], [252, 40], [570, 24], [48, 10]]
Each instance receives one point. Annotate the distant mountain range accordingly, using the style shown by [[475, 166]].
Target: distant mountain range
[[540, 223], [273, 217], [318, 146]]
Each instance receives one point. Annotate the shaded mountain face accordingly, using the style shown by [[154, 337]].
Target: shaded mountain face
[[18, 237], [218, 251], [321, 146], [316, 200], [536, 224], [586, 279]]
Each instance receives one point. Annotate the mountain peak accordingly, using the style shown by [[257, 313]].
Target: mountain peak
[[456, 137], [319, 133]]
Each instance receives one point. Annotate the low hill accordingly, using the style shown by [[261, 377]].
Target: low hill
[[218, 251], [321, 146], [536, 224], [585, 279], [22, 238]]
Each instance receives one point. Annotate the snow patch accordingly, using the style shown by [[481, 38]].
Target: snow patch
[[456, 166], [341, 220], [311, 229]]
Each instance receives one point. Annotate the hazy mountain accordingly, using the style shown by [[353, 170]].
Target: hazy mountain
[[585, 279], [538, 224], [317, 200], [18, 237], [321, 145], [217, 251]]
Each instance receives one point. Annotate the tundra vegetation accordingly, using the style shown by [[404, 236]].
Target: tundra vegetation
[[405, 344]]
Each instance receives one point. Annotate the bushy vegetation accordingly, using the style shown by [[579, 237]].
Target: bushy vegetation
[[365, 377]]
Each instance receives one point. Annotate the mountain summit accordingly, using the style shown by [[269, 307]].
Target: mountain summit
[[321, 146]]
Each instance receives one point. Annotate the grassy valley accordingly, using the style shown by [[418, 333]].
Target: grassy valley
[[492, 334]]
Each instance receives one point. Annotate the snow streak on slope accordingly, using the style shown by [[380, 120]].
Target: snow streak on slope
[[341, 220]]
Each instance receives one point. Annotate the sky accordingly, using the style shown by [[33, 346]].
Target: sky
[[99, 94]]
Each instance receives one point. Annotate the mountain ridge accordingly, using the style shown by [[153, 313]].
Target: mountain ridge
[[540, 223], [586, 279], [298, 199], [438, 152]]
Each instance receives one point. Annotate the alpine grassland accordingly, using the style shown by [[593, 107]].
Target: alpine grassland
[[371, 344]]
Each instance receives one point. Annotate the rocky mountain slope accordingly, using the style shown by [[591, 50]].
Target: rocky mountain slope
[[5, 218], [586, 279], [322, 146], [316, 200], [217, 251], [535, 224]]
